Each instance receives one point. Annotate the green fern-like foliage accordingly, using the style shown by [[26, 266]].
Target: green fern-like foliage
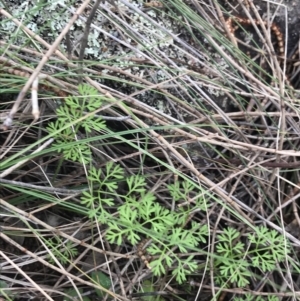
[[268, 248], [265, 249], [63, 252], [141, 214], [74, 117], [102, 190]]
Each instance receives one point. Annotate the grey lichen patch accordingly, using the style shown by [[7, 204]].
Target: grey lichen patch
[[37, 16], [119, 34], [108, 37]]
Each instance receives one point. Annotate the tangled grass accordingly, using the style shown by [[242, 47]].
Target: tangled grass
[[162, 161]]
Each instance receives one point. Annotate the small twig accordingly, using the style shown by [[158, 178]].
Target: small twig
[[121, 118], [9, 170], [84, 39], [34, 99], [226, 25], [237, 162], [69, 46], [43, 188]]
